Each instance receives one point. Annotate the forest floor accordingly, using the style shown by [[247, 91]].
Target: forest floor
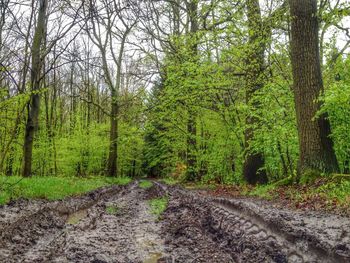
[[129, 224]]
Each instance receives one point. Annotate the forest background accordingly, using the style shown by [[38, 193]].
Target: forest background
[[196, 90]]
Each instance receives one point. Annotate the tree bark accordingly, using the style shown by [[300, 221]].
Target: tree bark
[[315, 145], [254, 162], [113, 145], [34, 104]]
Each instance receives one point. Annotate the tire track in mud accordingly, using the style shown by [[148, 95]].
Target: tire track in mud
[[296, 248], [237, 224], [250, 237]]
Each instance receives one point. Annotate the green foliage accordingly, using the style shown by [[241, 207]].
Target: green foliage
[[51, 188], [336, 103], [131, 145], [336, 190], [158, 205], [145, 184], [275, 133], [67, 143], [164, 135]]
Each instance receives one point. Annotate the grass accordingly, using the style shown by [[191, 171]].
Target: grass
[[169, 181], [263, 191], [200, 186], [145, 184], [112, 210], [51, 188], [158, 205]]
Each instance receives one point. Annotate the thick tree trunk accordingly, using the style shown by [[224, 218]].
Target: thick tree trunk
[[34, 104], [315, 145], [254, 162]]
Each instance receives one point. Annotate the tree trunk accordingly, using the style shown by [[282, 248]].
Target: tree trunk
[[315, 146], [254, 162], [113, 145], [34, 103]]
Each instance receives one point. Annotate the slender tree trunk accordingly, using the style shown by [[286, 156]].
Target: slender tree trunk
[[114, 133], [254, 162], [34, 104], [315, 145], [113, 146]]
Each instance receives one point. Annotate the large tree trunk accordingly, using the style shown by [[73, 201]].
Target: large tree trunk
[[254, 162], [315, 145], [34, 104]]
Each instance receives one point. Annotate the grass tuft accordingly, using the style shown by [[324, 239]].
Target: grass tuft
[[145, 184], [112, 210], [158, 205], [169, 181]]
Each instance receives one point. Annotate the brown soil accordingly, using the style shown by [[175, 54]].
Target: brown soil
[[114, 224]]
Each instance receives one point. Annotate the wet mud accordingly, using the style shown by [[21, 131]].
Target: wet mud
[[115, 224]]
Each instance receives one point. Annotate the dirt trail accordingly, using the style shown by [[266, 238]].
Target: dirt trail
[[115, 224]]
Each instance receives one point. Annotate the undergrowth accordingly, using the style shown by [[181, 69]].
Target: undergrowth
[[52, 188], [324, 193]]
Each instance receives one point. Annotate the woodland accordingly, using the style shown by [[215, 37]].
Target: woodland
[[240, 92]]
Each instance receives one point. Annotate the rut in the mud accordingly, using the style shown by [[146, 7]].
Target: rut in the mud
[[115, 225], [223, 230], [110, 226]]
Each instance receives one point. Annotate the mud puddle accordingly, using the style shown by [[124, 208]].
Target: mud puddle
[[115, 224]]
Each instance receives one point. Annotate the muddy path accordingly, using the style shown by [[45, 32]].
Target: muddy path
[[115, 224]]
